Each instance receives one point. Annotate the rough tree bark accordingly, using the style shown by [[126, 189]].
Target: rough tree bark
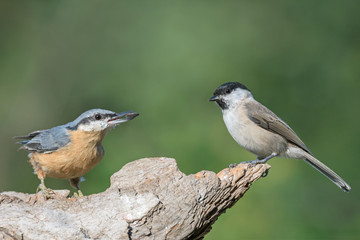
[[148, 199]]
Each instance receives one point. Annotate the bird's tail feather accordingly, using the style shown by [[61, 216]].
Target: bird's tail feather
[[327, 172]]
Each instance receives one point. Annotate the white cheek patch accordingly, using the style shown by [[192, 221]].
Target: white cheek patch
[[86, 127], [101, 126], [93, 127], [239, 94]]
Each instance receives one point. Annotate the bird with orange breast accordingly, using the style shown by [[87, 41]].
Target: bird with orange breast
[[71, 150]]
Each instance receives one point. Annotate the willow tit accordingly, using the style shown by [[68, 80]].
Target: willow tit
[[261, 132]]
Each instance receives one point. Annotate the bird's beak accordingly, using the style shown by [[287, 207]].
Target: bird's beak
[[122, 117], [213, 98]]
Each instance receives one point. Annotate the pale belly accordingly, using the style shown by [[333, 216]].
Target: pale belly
[[250, 136]]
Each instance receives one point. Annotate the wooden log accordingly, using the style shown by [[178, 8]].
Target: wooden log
[[148, 199]]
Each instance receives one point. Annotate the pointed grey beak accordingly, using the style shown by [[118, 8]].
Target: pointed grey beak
[[122, 117], [213, 98]]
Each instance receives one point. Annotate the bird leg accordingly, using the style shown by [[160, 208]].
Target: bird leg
[[46, 192], [256, 161], [262, 161], [74, 182]]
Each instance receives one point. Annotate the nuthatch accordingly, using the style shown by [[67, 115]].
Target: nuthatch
[[71, 150]]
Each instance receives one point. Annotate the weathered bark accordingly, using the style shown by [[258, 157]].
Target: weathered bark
[[148, 199]]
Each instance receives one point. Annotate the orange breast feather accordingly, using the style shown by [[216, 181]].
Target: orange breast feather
[[75, 159]]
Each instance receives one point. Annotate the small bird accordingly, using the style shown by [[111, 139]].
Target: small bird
[[71, 150], [261, 132]]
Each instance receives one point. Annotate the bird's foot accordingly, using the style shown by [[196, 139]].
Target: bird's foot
[[261, 161], [265, 173], [78, 194], [46, 192], [256, 161], [251, 163], [233, 165]]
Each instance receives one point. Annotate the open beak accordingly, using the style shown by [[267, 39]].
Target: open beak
[[213, 98], [122, 117]]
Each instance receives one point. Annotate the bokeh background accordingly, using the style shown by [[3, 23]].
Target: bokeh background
[[164, 59]]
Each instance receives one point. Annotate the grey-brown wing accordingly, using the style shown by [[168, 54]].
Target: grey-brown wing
[[266, 119]]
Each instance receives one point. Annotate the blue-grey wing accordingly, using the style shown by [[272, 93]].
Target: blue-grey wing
[[46, 141], [30, 135]]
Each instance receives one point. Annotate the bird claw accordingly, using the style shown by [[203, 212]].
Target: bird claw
[[252, 162], [265, 173], [78, 194], [256, 161], [233, 165], [47, 193]]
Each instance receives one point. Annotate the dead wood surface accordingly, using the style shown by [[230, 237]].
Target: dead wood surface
[[148, 199]]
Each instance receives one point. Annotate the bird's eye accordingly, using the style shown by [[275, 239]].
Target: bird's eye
[[228, 91], [98, 116]]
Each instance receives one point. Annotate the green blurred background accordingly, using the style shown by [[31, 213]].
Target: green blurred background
[[164, 60]]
